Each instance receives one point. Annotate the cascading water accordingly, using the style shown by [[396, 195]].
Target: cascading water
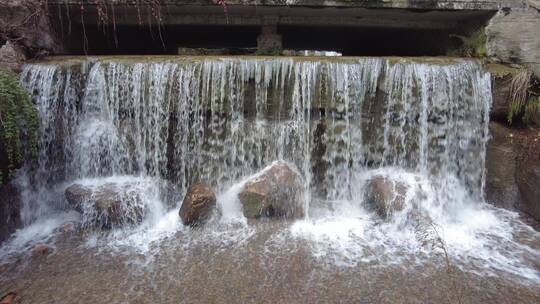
[[219, 120], [164, 123]]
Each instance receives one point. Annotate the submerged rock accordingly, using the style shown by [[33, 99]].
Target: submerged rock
[[276, 192], [67, 229], [41, 249], [197, 204], [108, 205], [386, 196], [9, 298]]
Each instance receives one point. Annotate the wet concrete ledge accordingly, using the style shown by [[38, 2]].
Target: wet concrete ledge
[[407, 4]]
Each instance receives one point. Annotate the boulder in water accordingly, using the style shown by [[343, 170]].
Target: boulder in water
[[108, 205], [197, 204], [76, 195], [275, 192], [386, 196]]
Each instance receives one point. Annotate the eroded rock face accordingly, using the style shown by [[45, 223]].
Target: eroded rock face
[[276, 192], [10, 211], [513, 169], [197, 205], [27, 22], [501, 187], [528, 175], [385, 196], [106, 206]]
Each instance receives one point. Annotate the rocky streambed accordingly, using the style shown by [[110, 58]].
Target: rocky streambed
[[267, 264]]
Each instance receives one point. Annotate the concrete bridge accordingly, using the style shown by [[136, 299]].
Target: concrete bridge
[[368, 27]]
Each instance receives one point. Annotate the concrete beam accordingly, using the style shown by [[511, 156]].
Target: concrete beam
[[240, 15], [407, 4]]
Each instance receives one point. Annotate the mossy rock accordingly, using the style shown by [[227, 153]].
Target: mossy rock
[[18, 125], [472, 45], [498, 70]]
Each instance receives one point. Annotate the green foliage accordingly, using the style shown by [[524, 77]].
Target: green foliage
[[269, 52], [18, 125], [473, 45]]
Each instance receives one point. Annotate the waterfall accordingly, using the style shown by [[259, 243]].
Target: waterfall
[[185, 119]]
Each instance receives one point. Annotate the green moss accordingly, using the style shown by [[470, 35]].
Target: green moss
[[18, 125], [473, 45], [498, 70], [269, 52]]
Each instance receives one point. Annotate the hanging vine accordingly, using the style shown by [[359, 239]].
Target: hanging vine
[[106, 16], [223, 3]]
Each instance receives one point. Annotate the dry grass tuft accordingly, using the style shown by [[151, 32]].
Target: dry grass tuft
[[429, 235], [519, 94]]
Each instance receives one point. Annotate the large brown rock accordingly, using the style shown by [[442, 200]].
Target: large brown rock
[[76, 195], [512, 37], [11, 57], [385, 196], [197, 204], [27, 22], [501, 187], [275, 192], [106, 206]]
